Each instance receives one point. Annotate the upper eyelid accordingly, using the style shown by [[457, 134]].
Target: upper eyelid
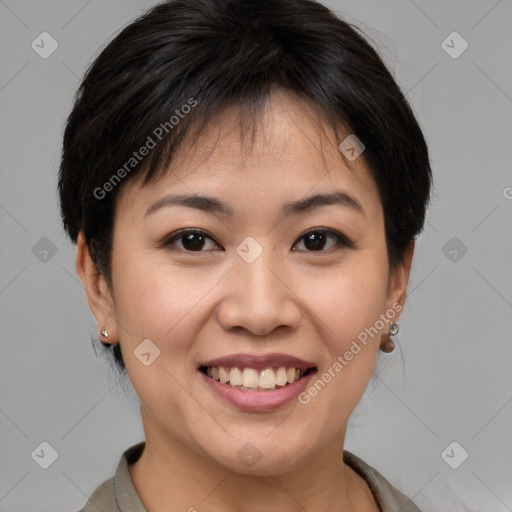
[[176, 235], [181, 232], [336, 234]]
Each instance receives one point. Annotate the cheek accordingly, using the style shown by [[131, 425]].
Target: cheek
[[152, 299], [167, 305], [348, 304], [348, 300], [162, 306]]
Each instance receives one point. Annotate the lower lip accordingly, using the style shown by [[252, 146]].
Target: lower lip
[[258, 400]]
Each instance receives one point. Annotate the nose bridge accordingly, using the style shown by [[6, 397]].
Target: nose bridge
[[253, 264], [257, 279], [258, 299]]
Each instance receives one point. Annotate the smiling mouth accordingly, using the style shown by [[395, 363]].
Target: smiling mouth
[[250, 379]]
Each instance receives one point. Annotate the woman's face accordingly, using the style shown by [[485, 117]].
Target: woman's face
[[257, 284]]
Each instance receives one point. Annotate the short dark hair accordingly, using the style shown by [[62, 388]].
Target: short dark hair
[[166, 75]]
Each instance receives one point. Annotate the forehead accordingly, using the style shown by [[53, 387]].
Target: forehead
[[288, 152]]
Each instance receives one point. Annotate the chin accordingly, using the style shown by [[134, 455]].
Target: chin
[[261, 455]]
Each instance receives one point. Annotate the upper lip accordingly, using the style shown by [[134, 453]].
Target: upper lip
[[259, 362]]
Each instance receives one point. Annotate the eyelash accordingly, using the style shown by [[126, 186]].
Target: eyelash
[[341, 240]]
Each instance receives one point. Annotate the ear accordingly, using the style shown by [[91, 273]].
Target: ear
[[96, 288], [399, 278]]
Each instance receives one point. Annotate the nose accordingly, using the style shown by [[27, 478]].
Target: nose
[[258, 298]]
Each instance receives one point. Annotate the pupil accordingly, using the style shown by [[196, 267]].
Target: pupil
[[193, 241], [316, 241]]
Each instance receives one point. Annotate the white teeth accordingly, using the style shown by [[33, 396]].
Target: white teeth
[[223, 375], [281, 378], [267, 379], [235, 377], [249, 378]]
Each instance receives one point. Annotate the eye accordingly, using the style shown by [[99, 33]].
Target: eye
[[191, 240], [196, 240], [318, 240]]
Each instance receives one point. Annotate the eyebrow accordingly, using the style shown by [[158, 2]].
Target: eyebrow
[[213, 205]]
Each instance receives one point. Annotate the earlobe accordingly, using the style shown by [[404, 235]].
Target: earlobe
[[96, 288], [397, 291]]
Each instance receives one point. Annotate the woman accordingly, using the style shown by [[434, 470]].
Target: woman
[[244, 181]]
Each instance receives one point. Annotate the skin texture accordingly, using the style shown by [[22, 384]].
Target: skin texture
[[200, 305]]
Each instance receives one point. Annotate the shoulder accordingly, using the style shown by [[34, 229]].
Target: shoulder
[[103, 498], [388, 497], [118, 493]]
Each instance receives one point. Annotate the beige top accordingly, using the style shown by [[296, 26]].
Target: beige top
[[118, 494]]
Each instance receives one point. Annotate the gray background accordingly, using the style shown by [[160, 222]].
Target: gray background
[[449, 381]]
